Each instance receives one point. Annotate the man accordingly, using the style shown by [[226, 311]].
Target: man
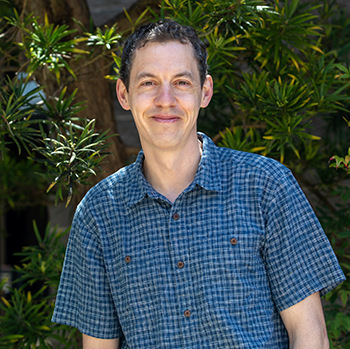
[[192, 246]]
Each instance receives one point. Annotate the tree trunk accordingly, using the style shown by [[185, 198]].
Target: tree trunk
[[92, 86]]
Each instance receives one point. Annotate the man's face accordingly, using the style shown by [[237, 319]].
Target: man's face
[[165, 94]]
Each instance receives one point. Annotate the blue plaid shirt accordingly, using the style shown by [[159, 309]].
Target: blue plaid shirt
[[212, 270]]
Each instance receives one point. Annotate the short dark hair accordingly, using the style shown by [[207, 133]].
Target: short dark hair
[[162, 31]]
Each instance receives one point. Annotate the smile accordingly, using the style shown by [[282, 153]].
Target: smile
[[165, 118]]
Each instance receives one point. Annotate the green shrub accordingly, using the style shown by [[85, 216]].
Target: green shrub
[[25, 313]]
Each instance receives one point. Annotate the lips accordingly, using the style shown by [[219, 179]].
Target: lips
[[165, 118]]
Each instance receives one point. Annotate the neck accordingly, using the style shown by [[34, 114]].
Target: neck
[[171, 172]]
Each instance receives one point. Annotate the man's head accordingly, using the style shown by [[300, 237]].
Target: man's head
[[162, 32], [164, 85]]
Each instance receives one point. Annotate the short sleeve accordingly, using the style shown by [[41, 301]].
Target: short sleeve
[[84, 297], [298, 256]]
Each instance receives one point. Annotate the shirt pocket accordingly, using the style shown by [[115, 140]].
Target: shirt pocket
[[141, 274]]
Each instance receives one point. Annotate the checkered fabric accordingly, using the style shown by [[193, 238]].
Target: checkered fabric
[[211, 270]]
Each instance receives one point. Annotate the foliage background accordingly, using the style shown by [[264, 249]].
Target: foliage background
[[282, 78]]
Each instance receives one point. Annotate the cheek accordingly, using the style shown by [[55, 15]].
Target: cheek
[[139, 103], [189, 99], [192, 105]]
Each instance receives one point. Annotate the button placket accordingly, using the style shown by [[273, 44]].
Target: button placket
[[179, 239]]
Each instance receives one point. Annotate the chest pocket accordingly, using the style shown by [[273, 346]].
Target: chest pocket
[[141, 274]]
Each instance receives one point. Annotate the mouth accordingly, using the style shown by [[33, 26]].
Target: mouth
[[165, 118]]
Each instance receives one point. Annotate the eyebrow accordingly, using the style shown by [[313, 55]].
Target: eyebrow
[[144, 75]]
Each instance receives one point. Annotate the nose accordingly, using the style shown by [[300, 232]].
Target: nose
[[165, 96]]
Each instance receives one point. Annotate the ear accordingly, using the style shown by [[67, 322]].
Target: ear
[[122, 95], [207, 91]]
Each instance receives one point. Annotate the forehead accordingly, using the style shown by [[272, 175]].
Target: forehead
[[164, 57]]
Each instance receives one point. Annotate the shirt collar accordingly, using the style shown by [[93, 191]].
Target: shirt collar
[[136, 190], [206, 176]]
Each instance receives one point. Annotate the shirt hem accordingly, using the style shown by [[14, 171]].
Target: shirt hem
[[323, 290], [83, 330]]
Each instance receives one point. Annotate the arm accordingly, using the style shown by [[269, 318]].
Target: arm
[[98, 343], [305, 324]]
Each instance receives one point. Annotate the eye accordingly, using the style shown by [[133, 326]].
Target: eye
[[182, 83], [147, 83]]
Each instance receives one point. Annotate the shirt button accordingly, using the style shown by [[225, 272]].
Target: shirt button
[[234, 241], [187, 313], [176, 216], [180, 264], [127, 259]]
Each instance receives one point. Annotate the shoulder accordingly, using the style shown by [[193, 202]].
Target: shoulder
[[113, 188], [241, 163], [119, 179], [242, 170]]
